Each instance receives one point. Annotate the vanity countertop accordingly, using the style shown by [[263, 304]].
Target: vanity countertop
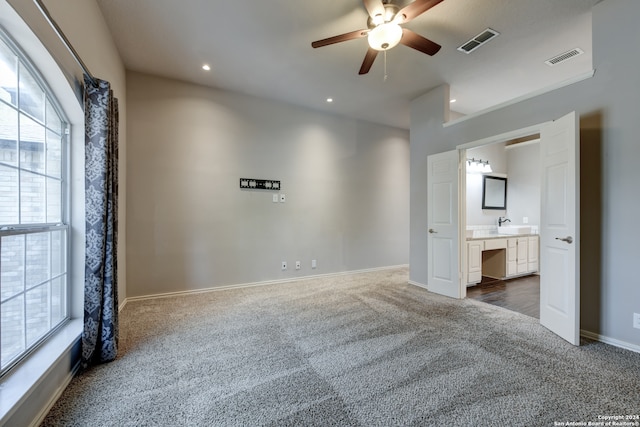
[[499, 236]]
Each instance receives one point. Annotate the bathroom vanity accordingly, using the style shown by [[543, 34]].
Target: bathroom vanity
[[501, 256]]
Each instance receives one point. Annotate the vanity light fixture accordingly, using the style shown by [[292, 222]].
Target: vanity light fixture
[[478, 166]]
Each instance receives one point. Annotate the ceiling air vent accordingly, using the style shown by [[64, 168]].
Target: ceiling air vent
[[563, 57], [478, 40]]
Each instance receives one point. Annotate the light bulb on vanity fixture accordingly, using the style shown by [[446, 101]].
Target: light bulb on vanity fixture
[[478, 166]]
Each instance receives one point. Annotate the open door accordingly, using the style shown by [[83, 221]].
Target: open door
[[442, 219], [559, 239]]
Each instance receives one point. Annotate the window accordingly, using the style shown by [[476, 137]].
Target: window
[[33, 224]]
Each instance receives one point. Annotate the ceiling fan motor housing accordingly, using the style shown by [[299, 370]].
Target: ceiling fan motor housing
[[390, 12]]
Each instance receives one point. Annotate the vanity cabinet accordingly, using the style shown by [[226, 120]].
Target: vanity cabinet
[[522, 244], [512, 257], [532, 254], [522, 255], [501, 257], [474, 260]]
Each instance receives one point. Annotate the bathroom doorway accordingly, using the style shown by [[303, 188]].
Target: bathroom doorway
[[557, 241], [508, 274]]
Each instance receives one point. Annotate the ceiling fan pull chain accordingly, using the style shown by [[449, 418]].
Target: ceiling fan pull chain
[[385, 66]]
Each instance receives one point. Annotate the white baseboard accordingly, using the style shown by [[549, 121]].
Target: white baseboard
[[418, 284], [611, 341], [254, 284]]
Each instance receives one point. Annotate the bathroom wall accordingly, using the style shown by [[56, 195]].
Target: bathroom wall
[[523, 189], [520, 164], [497, 157]]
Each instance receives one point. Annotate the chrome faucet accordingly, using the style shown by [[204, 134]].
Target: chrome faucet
[[502, 220]]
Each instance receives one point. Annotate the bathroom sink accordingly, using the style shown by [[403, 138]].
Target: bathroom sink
[[514, 229]]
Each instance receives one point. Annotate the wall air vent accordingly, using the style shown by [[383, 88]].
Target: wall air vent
[[478, 40], [563, 57]]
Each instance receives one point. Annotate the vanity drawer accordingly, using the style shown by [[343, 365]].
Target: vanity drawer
[[495, 244]]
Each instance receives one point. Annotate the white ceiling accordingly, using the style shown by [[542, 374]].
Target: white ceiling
[[263, 48]]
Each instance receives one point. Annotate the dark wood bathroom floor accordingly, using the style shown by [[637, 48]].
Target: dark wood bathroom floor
[[521, 294]]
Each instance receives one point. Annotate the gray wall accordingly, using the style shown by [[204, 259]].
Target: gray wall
[[497, 158], [608, 106], [190, 226], [523, 189]]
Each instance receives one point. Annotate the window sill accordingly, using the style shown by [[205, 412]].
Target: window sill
[[19, 384]]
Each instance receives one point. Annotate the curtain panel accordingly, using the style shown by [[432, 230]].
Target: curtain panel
[[100, 335]]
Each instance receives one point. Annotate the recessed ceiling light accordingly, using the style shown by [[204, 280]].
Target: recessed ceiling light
[[206, 67], [329, 100], [452, 101]]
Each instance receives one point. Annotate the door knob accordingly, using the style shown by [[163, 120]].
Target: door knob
[[567, 239], [431, 230]]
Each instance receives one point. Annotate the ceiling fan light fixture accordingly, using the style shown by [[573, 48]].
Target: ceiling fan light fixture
[[385, 36]]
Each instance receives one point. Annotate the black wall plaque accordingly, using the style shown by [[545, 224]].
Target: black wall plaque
[[259, 184]]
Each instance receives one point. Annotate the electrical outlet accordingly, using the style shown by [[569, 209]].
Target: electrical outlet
[[314, 263], [525, 220], [284, 265], [297, 265], [636, 320]]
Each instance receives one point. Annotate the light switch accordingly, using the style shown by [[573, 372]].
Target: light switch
[[275, 198], [282, 198], [525, 220]]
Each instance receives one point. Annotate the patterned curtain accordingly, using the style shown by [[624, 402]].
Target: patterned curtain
[[100, 336]]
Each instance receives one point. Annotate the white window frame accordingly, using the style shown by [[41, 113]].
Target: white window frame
[[31, 228]]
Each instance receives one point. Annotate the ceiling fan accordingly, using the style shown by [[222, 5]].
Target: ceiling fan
[[384, 32]]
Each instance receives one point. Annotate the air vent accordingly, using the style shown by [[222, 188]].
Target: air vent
[[478, 40], [563, 57]]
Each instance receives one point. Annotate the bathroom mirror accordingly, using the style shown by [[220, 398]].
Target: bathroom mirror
[[494, 192]]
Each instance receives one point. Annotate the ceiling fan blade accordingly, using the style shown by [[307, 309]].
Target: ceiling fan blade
[[417, 42], [368, 61], [341, 38], [412, 10], [374, 7]]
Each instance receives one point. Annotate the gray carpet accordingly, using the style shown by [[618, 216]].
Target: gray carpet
[[359, 350]]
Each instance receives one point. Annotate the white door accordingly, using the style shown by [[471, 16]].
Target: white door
[[442, 230], [559, 239]]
